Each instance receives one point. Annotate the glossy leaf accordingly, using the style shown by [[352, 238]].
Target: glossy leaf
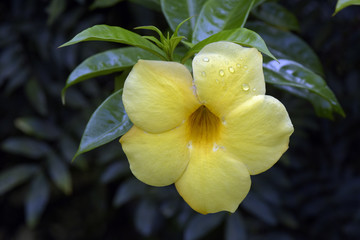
[[201, 225], [294, 75], [177, 11], [108, 122], [216, 16], [242, 36], [25, 146], [38, 127], [59, 173], [36, 199], [341, 4], [277, 15], [127, 191], [235, 227], [286, 45], [13, 177], [105, 63], [115, 34], [104, 3]]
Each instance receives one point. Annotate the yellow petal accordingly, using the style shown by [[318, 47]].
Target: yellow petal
[[257, 132], [156, 159], [226, 75], [159, 95], [213, 181]]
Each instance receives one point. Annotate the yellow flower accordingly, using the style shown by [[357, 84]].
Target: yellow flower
[[208, 134]]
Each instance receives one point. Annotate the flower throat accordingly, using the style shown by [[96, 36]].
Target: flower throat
[[203, 127]]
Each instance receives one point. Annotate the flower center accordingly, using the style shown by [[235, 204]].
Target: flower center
[[203, 127]]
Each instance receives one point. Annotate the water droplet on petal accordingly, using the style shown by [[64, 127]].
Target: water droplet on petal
[[245, 87], [205, 59], [238, 65], [203, 73], [245, 66], [215, 147], [231, 69], [254, 89], [217, 81], [222, 73], [189, 145]]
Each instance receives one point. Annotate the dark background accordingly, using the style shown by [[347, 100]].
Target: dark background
[[312, 193]]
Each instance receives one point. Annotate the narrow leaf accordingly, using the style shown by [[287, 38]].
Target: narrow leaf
[[108, 122], [128, 191], [27, 147], [292, 74], [115, 34], [275, 14], [216, 16], [105, 63], [201, 225], [259, 208], [235, 227], [36, 199], [104, 3], [59, 173], [114, 171], [15, 176], [146, 217], [341, 4], [286, 45], [177, 11], [242, 36], [38, 127]]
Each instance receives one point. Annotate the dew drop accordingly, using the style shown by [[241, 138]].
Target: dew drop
[[254, 89], [205, 59], [189, 145], [222, 73], [238, 65], [223, 120], [231, 69], [215, 147], [245, 87], [217, 81], [245, 66], [203, 74]]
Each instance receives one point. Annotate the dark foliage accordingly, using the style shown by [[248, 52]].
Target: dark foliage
[[312, 193]]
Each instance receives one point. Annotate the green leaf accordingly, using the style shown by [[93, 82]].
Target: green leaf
[[216, 16], [259, 208], [286, 45], [107, 62], [127, 191], [36, 199], [177, 11], [341, 4], [303, 82], [114, 171], [201, 225], [104, 3], [242, 36], [276, 15], [15, 176], [146, 217], [26, 147], [108, 122], [115, 34], [55, 9], [36, 96], [59, 173], [36, 127], [235, 227], [151, 4]]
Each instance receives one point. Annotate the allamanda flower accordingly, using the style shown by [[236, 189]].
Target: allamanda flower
[[206, 134]]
